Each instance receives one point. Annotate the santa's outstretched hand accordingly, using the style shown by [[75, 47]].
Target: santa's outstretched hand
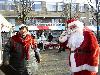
[[64, 36]]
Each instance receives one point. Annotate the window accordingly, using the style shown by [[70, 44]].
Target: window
[[73, 7], [51, 6], [9, 7], [81, 8], [11, 0], [2, 6], [36, 6], [60, 7], [12, 7]]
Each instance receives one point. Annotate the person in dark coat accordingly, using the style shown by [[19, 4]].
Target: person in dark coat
[[19, 53], [50, 37]]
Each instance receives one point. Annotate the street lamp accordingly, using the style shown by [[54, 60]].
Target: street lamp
[[70, 9], [23, 7]]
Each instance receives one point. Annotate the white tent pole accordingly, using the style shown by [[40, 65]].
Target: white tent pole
[[4, 22], [0, 46]]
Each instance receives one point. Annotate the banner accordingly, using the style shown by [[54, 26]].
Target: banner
[[31, 28]]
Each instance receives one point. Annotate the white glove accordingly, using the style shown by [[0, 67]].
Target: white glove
[[63, 37]]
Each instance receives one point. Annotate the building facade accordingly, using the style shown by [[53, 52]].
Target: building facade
[[44, 13], [47, 14]]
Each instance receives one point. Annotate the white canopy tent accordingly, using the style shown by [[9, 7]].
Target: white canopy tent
[[4, 26]]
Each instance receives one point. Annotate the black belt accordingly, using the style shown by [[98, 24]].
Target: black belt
[[81, 51]]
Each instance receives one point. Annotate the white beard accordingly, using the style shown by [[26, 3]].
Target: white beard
[[75, 40]]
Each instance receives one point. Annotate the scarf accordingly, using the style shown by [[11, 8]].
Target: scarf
[[25, 43]]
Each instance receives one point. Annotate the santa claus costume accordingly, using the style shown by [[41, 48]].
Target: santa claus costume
[[84, 48]]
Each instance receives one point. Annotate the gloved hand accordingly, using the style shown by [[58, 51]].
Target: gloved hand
[[6, 63]]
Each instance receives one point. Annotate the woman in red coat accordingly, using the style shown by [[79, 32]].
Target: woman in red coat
[[84, 48]]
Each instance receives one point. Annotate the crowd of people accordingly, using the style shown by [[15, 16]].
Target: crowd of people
[[21, 52]]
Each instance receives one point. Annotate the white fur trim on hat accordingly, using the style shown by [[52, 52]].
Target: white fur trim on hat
[[77, 23], [22, 25]]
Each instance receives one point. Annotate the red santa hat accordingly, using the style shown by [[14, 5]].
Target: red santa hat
[[72, 23], [70, 20]]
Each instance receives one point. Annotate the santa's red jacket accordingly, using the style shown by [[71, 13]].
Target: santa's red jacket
[[86, 57]]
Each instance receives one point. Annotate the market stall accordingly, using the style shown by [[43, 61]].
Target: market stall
[[5, 26]]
